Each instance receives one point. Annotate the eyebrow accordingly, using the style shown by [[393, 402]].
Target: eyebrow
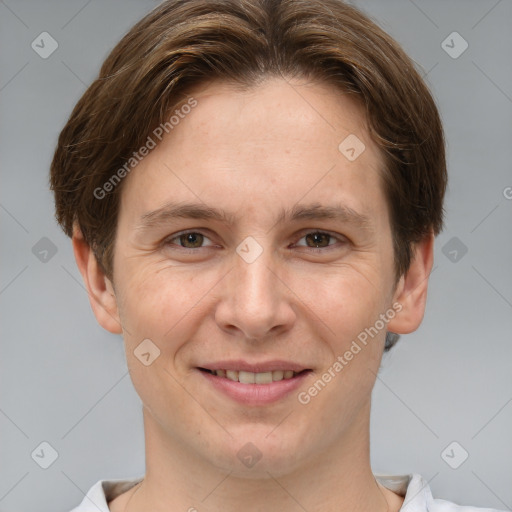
[[199, 211]]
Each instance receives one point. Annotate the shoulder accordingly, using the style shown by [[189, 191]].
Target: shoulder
[[102, 492], [418, 496]]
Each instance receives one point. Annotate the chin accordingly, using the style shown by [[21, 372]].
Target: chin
[[256, 452]]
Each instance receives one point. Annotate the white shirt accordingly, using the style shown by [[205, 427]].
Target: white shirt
[[415, 490]]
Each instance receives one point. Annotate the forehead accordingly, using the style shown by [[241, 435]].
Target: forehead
[[271, 145]]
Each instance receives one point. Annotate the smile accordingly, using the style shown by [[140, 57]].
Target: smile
[[257, 388], [245, 377]]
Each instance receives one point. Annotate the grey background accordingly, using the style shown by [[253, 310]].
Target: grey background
[[64, 380]]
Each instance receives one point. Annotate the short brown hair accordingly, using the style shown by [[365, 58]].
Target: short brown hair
[[181, 44]]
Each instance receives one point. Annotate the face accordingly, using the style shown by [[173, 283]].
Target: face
[[281, 259]]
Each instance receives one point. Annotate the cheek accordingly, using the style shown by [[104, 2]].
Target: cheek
[[158, 301], [354, 349], [346, 298]]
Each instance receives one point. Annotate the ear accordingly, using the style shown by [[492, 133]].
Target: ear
[[99, 288], [411, 291]]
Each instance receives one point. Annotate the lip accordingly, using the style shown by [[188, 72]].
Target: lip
[[254, 394], [263, 366]]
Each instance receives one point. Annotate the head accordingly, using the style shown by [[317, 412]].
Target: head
[[254, 180]]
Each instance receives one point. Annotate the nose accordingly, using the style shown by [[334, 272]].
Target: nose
[[256, 302]]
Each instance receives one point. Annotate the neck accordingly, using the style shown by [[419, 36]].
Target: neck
[[338, 479]]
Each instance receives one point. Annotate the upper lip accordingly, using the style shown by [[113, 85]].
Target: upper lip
[[259, 367]]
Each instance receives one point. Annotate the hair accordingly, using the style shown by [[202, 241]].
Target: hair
[[186, 43]]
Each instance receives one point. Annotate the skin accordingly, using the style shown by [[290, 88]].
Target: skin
[[253, 153]]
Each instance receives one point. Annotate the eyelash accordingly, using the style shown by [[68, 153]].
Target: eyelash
[[168, 241]]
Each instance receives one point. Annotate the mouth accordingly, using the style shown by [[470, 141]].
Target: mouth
[[245, 377], [264, 385]]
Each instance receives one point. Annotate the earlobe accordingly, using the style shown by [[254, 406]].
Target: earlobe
[[99, 288], [411, 291]]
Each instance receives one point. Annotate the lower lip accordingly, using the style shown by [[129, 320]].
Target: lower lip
[[255, 394]]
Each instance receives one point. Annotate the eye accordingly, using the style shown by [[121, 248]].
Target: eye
[[187, 240], [319, 240], [194, 240]]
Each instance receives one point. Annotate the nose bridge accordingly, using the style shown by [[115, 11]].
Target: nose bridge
[[254, 283], [256, 301]]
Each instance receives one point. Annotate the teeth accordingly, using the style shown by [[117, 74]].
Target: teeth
[[263, 378], [247, 377], [231, 374], [278, 375], [255, 378]]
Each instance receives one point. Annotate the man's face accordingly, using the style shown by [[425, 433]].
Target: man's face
[[262, 289]]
